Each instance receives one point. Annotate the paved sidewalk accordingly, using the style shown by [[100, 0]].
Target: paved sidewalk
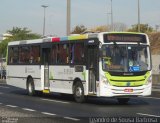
[[2, 81]]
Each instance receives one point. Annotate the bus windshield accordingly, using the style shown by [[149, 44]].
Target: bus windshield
[[125, 58]]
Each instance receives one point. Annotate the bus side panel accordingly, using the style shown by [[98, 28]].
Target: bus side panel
[[18, 77], [62, 77]]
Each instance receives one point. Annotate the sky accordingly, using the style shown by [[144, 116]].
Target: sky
[[90, 13]]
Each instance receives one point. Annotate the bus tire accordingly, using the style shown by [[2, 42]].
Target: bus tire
[[78, 92], [123, 100], [30, 87]]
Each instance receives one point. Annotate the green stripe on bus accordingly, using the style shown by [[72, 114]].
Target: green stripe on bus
[[124, 80]]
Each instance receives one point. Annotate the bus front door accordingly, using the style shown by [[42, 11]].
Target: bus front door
[[45, 72], [92, 59]]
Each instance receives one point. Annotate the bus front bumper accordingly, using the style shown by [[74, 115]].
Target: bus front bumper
[[112, 91]]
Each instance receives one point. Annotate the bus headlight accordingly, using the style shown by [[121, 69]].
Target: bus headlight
[[104, 79], [149, 80]]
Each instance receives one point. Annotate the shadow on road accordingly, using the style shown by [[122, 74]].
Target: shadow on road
[[89, 101]]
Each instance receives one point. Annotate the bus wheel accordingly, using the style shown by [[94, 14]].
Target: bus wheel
[[123, 100], [30, 87], [79, 92]]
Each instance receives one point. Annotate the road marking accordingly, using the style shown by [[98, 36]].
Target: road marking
[[27, 109], [70, 118], [1, 103], [1, 93], [151, 97], [55, 101], [48, 113], [13, 106], [148, 115], [3, 87]]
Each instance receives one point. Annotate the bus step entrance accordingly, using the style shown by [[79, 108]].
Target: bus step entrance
[[92, 94], [46, 91], [92, 82]]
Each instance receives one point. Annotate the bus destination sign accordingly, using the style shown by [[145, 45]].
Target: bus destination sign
[[124, 38]]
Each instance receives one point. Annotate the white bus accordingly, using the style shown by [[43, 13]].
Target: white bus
[[98, 64]]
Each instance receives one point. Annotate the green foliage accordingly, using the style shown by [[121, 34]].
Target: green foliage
[[17, 34], [100, 29], [3, 48], [144, 28], [79, 29], [22, 34]]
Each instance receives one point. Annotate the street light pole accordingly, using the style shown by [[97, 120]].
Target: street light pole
[[139, 28], [44, 22], [108, 18], [112, 17], [68, 16]]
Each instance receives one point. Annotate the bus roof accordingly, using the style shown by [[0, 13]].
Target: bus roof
[[70, 38], [34, 41]]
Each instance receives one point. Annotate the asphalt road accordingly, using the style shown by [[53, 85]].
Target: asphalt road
[[16, 106]]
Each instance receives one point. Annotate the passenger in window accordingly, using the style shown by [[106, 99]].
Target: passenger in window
[[31, 60], [71, 54]]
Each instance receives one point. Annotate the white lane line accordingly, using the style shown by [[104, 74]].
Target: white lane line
[[1, 93], [3, 87], [48, 113], [70, 118], [27, 109], [148, 115], [13, 106], [152, 98], [1, 103], [55, 101]]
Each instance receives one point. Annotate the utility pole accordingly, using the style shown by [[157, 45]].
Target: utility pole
[[68, 17], [44, 22], [139, 26]]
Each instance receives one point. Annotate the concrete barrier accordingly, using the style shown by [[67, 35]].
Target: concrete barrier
[[156, 78]]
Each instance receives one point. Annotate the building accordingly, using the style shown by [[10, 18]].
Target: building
[[5, 36]]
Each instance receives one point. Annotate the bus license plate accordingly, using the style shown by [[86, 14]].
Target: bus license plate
[[128, 90]]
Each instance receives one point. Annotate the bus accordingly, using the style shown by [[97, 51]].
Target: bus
[[105, 64]]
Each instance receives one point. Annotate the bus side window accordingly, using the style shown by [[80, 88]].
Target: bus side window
[[63, 54], [34, 57], [54, 54], [71, 52], [24, 54], [15, 55], [11, 55], [79, 53]]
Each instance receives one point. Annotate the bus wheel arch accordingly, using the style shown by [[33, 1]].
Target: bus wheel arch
[[78, 91], [30, 86]]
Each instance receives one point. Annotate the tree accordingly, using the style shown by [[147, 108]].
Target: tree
[[22, 34], [108, 28], [100, 29], [120, 27], [17, 34], [144, 28], [3, 47], [79, 29]]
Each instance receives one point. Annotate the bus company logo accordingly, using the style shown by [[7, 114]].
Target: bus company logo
[[128, 84], [91, 41]]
